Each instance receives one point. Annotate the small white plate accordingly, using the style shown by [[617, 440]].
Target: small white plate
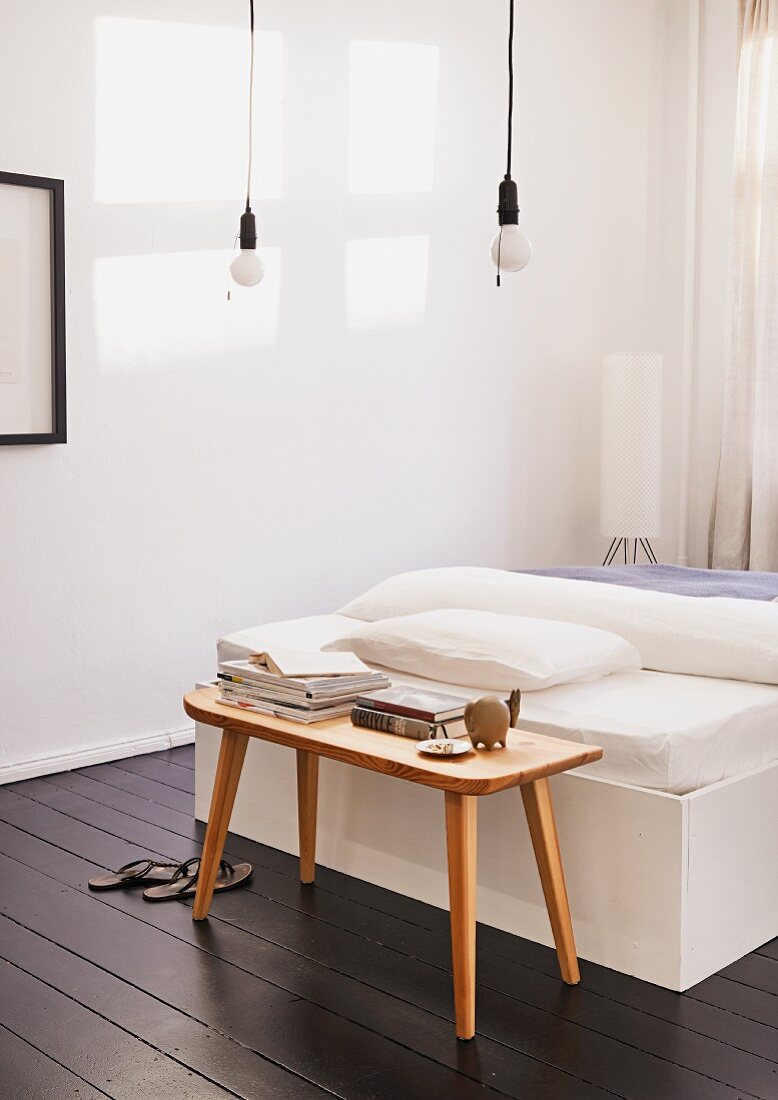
[[435, 747]]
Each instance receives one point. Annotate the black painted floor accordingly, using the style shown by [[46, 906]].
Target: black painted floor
[[292, 992]]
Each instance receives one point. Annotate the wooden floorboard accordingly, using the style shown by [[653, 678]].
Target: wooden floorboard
[[187, 1041], [137, 784], [405, 1024], [183, 756], [27, 1074], [651, 1035], [756, 971], [738, 999], [91, 1047], [506, 962], [128, 803], [342, 989], [323, 1047], [339, 935], [160, 771], [770, 949]]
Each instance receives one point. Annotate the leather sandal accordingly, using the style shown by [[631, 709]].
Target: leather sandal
[[139, 873], [183, 884]]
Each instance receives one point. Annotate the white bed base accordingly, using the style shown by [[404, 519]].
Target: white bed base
[[665, 887]]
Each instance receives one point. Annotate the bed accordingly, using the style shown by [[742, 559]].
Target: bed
[[668, 840]]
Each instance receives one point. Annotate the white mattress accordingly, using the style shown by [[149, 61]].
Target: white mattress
[[665, 731]]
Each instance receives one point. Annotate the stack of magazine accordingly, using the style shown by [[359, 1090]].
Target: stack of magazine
[[411, 712], [304, 687]]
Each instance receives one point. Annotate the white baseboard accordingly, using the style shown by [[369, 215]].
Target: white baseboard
[[100, 754]]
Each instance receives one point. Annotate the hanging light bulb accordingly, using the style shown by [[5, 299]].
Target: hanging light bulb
[[511, 249], [246, 268]]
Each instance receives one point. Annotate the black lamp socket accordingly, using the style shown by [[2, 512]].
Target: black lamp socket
[[508, 204], [248, 230]]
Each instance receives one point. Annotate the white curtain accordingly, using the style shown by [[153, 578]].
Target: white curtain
[[744, 527]]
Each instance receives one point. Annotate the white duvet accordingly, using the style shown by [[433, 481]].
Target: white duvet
[[726, 638]]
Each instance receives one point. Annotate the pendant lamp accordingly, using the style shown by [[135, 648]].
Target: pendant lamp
[[246, 268], [510, 249]]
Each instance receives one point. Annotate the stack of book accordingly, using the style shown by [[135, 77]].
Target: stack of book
[[410, 712], [305, 687]]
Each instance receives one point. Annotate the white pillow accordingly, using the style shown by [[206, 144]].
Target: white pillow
[[716, 636], [484, 649]]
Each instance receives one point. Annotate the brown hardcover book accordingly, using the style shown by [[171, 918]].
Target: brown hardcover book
[[408, 702]]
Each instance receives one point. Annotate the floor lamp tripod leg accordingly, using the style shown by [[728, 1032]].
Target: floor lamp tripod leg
[[614, 550]]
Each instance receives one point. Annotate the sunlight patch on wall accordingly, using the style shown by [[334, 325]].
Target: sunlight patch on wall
[[171, 112], [392, 102], [386, 281], [169, 311]]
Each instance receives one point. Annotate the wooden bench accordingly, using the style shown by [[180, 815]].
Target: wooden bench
[[527, 762]]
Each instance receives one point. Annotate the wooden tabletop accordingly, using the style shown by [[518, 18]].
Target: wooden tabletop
[[528, 756]]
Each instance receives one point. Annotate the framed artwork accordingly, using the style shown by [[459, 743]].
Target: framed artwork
[[32, 309]]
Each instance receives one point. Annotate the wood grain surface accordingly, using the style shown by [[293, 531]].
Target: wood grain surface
[[529, 756]]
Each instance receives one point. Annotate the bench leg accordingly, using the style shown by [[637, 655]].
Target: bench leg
[[461, 841], [542, 827], [307, 797], [225, 786]]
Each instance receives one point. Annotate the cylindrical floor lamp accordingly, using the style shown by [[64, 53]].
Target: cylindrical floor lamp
[[631, 476]]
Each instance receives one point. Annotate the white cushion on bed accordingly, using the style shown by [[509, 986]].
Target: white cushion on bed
[[721, 637], [485, 649]]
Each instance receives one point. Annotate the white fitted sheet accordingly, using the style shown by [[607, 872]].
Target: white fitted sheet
[[664, 731]]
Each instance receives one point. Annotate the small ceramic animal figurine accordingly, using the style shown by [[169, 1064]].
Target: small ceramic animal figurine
[[487, 721], [514, 706]]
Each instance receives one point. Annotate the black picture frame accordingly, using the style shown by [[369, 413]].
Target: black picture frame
[[56, 189]]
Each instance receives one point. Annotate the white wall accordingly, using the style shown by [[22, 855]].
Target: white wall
[[372, 406]]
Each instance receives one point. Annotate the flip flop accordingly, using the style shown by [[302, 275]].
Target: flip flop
[[183, 884], [139, 873]]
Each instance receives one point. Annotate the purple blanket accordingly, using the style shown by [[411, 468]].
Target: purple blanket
[[679, 579]]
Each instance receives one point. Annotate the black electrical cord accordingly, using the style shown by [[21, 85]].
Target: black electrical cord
[[511, 21], [251, 103], [510, 89]]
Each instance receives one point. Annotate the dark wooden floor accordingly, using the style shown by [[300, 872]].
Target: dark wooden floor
[[292, 993]]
